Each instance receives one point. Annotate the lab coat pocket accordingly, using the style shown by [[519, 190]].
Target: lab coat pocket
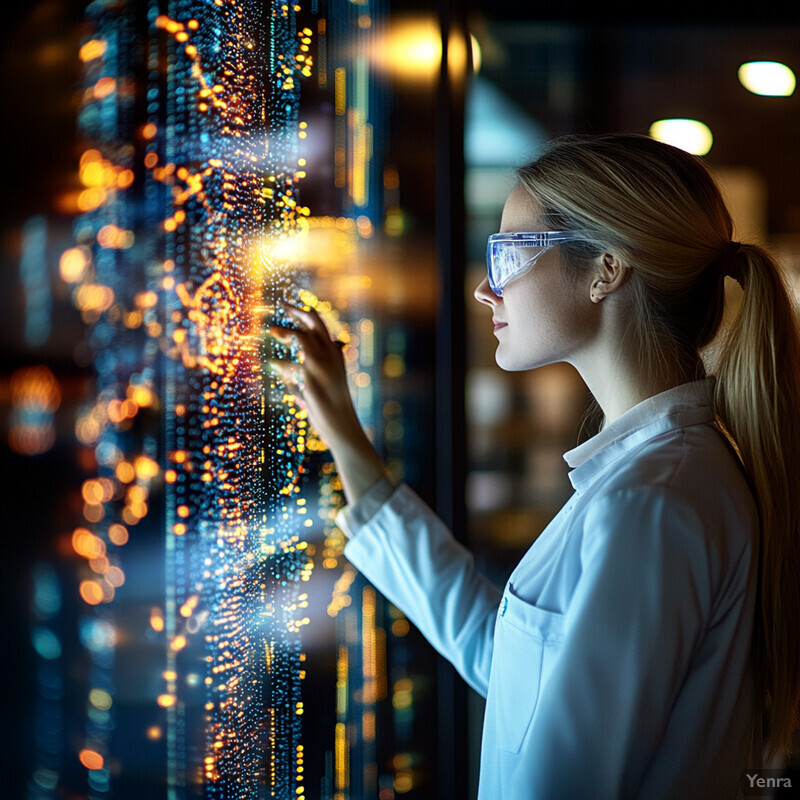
[[526, 644]]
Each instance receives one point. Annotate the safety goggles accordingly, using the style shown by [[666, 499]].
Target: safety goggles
[[509, 255]]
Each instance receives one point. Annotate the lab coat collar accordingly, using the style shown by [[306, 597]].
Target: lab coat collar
[[679, 407]]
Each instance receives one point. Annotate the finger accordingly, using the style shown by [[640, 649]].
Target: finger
[[285, 335], [310, 318]]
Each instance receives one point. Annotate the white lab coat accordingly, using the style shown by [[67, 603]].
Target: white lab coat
[[615, 662]]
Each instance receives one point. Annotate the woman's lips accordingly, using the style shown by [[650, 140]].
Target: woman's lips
[[498, 325]]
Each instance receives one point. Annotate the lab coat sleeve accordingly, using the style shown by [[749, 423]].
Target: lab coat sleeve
[[409, 555], [636, 617]]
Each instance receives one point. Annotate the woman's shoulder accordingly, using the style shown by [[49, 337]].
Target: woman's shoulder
[[691, 474]]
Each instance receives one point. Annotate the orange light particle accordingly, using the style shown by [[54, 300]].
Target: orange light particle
[[166, 700], [104, 87], [156, 620], [92, 594], [118, 534], [115, 576], [94, 48], [91, 759], [136, 495], [145, 467], [100, 565], [90, 155], [129, 517], [89, 199], [167, 24], [188, 607], [146, 299], [73, 264], [125, 178], [141, 395], [92, 492], [125, 472], [86, 544]]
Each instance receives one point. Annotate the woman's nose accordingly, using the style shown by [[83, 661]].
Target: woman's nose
[[484, 294]]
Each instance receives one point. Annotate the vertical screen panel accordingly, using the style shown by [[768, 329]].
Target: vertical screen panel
[[199, 633]]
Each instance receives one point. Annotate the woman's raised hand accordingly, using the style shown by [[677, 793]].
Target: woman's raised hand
[[320, 381]]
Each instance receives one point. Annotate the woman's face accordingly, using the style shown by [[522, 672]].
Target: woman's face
[[545, 315]]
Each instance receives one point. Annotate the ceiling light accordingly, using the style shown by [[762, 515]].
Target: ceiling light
[[688, 134], [767, 78]]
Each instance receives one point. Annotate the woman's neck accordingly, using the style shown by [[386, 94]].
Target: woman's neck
[[618, 383]]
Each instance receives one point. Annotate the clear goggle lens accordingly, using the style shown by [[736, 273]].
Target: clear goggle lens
[[509, 255]]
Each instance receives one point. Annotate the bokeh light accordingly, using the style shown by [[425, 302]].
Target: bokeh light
[[690, 135], [769, 78]]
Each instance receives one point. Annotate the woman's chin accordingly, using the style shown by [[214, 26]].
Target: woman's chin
[[517, 362], [508, 362]]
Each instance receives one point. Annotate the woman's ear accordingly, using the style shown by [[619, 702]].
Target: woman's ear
[[610, 276]]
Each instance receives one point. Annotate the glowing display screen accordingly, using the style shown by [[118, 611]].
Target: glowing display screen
[[227, 151], [210, 571]]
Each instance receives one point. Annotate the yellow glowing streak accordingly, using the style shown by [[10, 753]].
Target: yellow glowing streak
[[325, 244], [477, 55], [768, 78], [341, 756], [457, 53], [690, 135]]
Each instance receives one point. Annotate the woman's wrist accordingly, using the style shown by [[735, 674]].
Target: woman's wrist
[[357, 463]]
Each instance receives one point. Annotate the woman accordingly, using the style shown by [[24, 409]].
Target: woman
[[646, 644]]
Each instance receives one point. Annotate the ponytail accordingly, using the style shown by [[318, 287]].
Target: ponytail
[[757, 401]]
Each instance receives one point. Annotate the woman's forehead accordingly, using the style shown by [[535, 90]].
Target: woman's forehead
[[521, 212]]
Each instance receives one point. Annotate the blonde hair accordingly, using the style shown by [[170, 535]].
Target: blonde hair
[[659, 210]]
